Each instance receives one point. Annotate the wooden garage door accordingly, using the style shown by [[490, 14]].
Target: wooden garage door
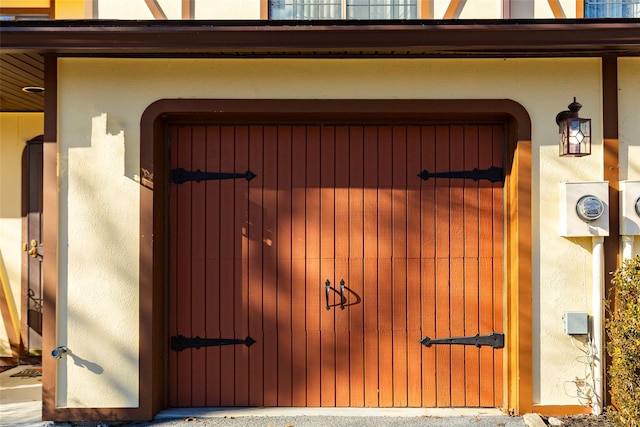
[[251, 258]]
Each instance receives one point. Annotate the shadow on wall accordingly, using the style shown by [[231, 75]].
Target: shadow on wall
[[84, 363]]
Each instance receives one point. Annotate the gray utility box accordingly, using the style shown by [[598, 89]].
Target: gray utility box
[[576, 323]]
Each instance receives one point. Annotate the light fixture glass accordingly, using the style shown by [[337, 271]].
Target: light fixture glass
[[575, 132], [33, 89]]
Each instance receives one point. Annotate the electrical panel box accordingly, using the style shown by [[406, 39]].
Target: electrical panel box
[[630, 208], [584, 209], [576, 323]]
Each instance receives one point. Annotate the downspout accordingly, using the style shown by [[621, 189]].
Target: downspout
[[627, 247], [598, 320]]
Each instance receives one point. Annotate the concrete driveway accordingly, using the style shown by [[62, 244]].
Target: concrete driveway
[[20, 406], [20, 399]]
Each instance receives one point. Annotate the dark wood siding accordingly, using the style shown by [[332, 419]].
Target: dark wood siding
[[329, 203]]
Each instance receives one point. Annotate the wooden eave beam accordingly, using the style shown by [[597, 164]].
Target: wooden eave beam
[[439, 38]]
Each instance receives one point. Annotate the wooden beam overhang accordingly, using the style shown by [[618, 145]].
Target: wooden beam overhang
[[457, 38]]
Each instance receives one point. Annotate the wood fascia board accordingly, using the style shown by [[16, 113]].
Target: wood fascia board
[[477, 38]]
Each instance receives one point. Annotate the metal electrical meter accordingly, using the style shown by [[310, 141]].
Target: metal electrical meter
[[589, 208], [584, 209]]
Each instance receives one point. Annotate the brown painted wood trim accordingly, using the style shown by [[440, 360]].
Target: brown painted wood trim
[[156, 9], [25, 11], [556, 8], [506, 9], [611, 168], [50, 236], [454, 9], [188, 9], [490, 38], [426, 9], [519, 283], [154, 166], [264, 9], [561, 410], [579, 8], [91, 9]]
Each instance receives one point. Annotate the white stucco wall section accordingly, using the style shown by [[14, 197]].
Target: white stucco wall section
[[15, 130], [102, 290], [250, 9], [202, 9], [629, 123], [98, 266]]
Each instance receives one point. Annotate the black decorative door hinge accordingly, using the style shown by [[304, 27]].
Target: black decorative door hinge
[[493, 174], [179, 342], [495, 340], [180, 175]]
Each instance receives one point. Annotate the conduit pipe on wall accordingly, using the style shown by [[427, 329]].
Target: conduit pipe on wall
[[598, 319], [627, 247]]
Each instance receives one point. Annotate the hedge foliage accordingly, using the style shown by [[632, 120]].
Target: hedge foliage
[[623, 328]]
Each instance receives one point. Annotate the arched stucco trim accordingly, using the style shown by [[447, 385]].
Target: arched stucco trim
[[154, 172]]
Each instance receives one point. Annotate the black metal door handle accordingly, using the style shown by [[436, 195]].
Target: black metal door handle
[[342, 299], [327, 286]]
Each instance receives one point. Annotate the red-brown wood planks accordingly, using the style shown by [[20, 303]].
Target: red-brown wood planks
[[336, 202]]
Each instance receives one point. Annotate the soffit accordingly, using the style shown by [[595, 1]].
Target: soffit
[[22, 43], [18, 70]]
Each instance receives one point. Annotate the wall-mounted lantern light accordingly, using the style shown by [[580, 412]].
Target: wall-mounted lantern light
[[575, 132]]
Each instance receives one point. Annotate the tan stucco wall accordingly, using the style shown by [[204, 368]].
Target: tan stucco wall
[[98, 261], [629, 123], [15, 130], [128, 86]]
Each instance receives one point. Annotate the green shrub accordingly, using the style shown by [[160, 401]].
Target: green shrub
[[623, 328]]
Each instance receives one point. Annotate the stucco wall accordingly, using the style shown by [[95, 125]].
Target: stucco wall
[[98, 260], [128, 86], [629, 123], [15, 130], [250, 9], [202, 9]]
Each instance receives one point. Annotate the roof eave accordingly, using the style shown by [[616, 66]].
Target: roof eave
[[479, 38]]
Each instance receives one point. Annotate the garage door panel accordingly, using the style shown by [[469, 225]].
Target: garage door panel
[[299, 368], [400, 368], [428, 328], [285, 368], [271, 356], [472, 354], [342, 369], [414, 366], [443, 329], [385, 294], [256, 383], [340, 203], [457, 323], [385, 363]]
